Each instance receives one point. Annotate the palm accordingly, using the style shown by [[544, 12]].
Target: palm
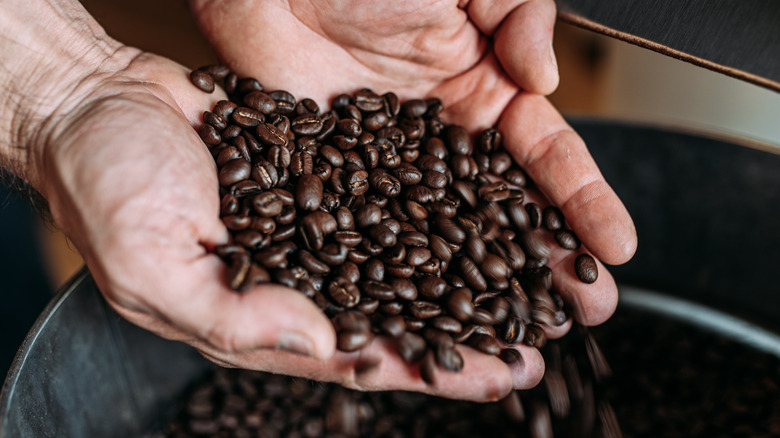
[[479, 60]]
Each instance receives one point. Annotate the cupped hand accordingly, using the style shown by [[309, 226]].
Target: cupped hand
[[490, 63]]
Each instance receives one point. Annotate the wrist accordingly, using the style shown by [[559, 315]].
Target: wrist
[[50, 50]]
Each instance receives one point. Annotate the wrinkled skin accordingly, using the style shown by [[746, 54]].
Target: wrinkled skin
[[105, 133]]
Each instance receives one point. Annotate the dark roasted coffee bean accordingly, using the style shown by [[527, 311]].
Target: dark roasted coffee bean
[[434, 179], [234, 171], [240, 263], [431, 287], [514, 331], [216, 71], [394, 326], [344, 292], [489, 140], [353, 341], [416, 256], [552, 218], [351, 320], [315, 226], [586, 268], [333, 254], [534, 336], [534, 214], [237, 222], [260, 101], [375, 121], [308, 192], [384, 183], [449, 358], [391, 308], [350, 271], [312, 263], [209, 134], [306, 124], [449, 230], [458, 140], [344, 219], [459, 304], [350, 239], [227, 154], [382, 235], [411, 347], [495, 268], [368, 101], [484, 343], [404, 289], [424, 309], [476, 249], [270, 135], [500, 162], [439, 248], [534, 245], [471, 274], [567, 239], [247, 85], [447, 324], [378, 290], [246, 117], [301, 163], [368, 306], [202, 80]]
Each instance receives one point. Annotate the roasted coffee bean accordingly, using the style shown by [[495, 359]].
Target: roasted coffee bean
[[552, 218], [458, 140], [309, 192], [209, 134], [353, 341], [416, 256], [344, 292], [260, 101], [534, 214], [514, 331], [270, 135], [202, 80], [404, 289], [315, 226], [234, 171], [333, 254], [378, 290], [586, 268], [484, 343], [534, 245], [368, 101], [384, 183], [567, 239], [424, 309], [459, 304], [246, 117], [447, 324], [431, 287], [534, 336], [390, 308], [411, 347], [394, 326], [500, 162]]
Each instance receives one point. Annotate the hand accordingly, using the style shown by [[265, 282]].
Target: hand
[[489, 63]]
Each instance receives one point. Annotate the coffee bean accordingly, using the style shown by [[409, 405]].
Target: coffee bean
[[567, 239], [368, 101], [459, 304], [202, 80], [484, 343], [411, 347], [344, 292], [247, 117], [431, 287], [534, 214], [353, 341], [234, 171], [309, 192], [404, 289], [586, 268]]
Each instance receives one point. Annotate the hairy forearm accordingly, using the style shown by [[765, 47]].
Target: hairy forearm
[[47, 48]]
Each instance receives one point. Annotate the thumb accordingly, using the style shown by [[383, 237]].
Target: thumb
[[523, 45], [226, 323]]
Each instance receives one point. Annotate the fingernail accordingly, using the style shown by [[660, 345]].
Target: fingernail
[[295, 343], [553, 60]]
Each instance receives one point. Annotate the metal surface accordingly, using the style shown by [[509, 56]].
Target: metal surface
[[740, 38], [85, 372]]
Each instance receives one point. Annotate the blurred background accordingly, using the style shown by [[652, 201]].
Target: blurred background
[[600, 77]]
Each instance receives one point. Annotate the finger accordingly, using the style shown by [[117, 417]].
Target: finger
[[378, 367], [209, 316], [558, 161], [522, 31], [591, 304]]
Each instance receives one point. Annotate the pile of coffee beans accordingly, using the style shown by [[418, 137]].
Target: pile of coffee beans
[[241, 403], [677, 380], [390, 220]]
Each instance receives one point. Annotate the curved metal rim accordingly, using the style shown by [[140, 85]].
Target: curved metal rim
[[29, 341], [696, 314]]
